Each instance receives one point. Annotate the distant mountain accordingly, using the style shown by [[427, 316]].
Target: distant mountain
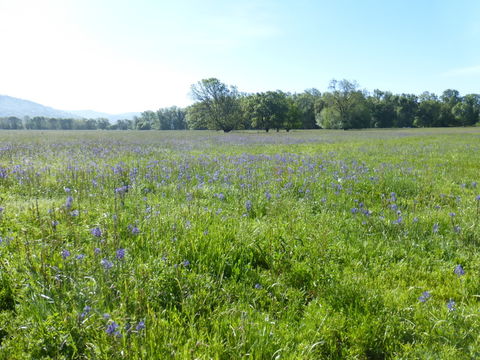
[[11, 106]]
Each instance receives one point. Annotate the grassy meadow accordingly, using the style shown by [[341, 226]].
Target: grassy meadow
[[203, 245]]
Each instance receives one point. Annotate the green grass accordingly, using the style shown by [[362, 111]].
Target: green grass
[[300, 245]]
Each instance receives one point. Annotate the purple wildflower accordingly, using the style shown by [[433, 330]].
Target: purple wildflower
[[96, 232], [248, 205], [435, 228], [80, 256], [398, 221], [135, 230], [459, 270], [393, 197], [85, 312], [112, 329], [107, 264], [140, 326], [120, 254], [258, 286], [451, 305], [69, 202], [425, 296], [121, 190], [65, 254], [268, 196]]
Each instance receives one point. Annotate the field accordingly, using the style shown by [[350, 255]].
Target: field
[[198, 245]]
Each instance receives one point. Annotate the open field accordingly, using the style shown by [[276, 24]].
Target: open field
[[198, 245]]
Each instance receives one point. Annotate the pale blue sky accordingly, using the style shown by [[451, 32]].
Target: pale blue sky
[[119, 55]]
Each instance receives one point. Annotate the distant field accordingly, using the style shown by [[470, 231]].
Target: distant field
[[197, 245]]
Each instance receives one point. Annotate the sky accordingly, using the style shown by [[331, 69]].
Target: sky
[[119, 56]]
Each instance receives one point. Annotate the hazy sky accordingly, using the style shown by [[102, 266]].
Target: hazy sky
[[118, 55]]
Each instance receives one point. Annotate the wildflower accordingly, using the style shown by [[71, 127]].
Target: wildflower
[[452, 214], [120, 254], [393, 197], [140, 326], [97, 251], [248, 205], [354, 210], [112, 329], [96, 232], [451, 305], [121, 190], [398, 221], [459, 270], [435, 228], [135, 230], [65, 254], [80, 257], [477, 198], [69, 202], [106, 316], [457, 229], [268, 196], [54, 224], [415, 219], [186, 263], [85, 312], [67, 190], [75, 213], [425, 296], [107, 264], [258, 286]]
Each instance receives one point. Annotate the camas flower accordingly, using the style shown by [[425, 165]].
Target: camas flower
[[424, 297], [69, 202], [120, 254], [107, 264], [112, 329], [96, 232], [459, 270], [140, 326]]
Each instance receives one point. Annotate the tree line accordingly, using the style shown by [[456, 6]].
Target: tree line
[[47, 123], [219, 106], [343, 106]]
